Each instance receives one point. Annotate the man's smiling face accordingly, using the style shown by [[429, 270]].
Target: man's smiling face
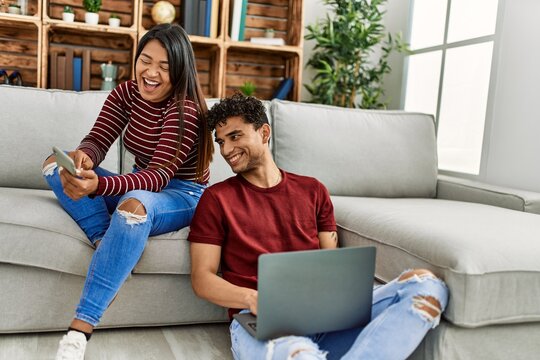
[[241, 145]]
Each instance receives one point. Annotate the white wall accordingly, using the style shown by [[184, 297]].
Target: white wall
[[513, 157], [512, 139]]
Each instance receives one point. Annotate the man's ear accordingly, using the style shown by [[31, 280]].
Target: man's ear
[[266, 132]]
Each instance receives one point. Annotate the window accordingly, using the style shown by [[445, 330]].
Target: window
[[448, 74]]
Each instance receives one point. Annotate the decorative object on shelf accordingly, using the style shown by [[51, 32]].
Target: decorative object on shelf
[[114, 20], [3, 6], [269, 33], [267, 41], [4, 78], [92, 8], [68, 15], [347, 73], [163, 12], [15, 78], [23, 4], [248, 88], [14, 9], [109, 74], [283, 89]]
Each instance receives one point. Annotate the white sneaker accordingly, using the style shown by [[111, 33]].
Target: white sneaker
[[72, 346]]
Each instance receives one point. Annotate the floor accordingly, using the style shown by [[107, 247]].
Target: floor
[[193, 342]]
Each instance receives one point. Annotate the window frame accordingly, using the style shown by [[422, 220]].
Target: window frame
[[492, 86]]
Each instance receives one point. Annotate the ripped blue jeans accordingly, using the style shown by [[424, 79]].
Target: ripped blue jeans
[[123, 235], [398, 324]]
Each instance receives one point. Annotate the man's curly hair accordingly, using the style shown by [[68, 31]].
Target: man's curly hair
[[248, 108]]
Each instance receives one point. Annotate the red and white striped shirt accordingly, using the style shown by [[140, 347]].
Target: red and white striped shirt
[[151, 134]]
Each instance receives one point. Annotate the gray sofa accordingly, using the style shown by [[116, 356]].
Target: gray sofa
[[381, 170]]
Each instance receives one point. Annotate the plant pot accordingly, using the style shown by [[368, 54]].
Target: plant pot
[[14, 10], [91, 18], [114, 22], [68, 17]]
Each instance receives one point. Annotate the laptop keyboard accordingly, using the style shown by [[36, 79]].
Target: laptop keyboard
[[252, 325]]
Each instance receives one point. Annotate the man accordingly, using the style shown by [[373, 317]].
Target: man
[[264, 210]]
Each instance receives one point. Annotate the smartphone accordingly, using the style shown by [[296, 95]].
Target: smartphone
[[63, 160]]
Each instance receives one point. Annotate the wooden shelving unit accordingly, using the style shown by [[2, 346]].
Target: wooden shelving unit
[[27, 42]]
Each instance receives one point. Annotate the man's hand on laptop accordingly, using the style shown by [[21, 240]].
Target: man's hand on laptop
[[251, 301]]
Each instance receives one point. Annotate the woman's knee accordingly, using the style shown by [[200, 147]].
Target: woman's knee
[[132, 210], [49, 165]]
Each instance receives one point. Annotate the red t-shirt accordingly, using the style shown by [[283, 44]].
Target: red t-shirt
[[248, 221]]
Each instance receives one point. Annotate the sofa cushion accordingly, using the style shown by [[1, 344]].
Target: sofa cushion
[[488, 256], [35, 233], [372, 145], [33, 120]]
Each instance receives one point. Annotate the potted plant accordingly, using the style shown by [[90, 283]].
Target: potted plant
[[92, 8], [347, 72], [14, 9], [114, 20], [68, 15], [248, 88]]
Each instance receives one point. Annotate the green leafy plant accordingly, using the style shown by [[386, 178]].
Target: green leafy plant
[[347, 41], [68, 9], [114, 16], [92, 5], [248, 88]]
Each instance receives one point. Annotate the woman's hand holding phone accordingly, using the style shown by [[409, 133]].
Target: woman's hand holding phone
[[81, 160], [79, 179], [84, 184]]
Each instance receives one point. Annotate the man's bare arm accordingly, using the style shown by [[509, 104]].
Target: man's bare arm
[[208, 285], [328, 239]]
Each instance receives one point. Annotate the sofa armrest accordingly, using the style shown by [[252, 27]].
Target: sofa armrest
[[453, 188]]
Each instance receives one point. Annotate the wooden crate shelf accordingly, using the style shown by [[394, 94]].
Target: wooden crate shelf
[[207, 62], [125, 9], [33, 9], [20, 50], [103, 47], [280, 15], [265, 69], [27, 42]]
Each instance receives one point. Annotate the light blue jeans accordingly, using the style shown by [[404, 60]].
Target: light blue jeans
[[398, 325], [123, 236]]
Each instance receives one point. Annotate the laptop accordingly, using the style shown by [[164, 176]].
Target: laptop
[[308, 292]]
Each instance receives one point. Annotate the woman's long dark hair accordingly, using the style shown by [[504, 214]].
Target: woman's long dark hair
[[185, 84]]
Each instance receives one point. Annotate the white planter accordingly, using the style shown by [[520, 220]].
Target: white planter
[[68, 17], [14, 10], [114, 22], [91, 18]]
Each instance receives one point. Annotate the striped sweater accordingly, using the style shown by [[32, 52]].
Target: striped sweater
[[151, 134]]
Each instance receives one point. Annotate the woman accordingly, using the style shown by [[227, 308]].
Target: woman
[[161, 115]]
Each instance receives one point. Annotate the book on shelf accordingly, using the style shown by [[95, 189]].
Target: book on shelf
[[283, 89], [214, 18], [201, 18], [86, 69], [243, 15], [77, 73], [207, 17], [61, 72], [53, 67], [68, 85], [267, 41], [236, 19], [189, 15]]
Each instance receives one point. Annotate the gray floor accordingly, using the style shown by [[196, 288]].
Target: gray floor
[[193, 342]]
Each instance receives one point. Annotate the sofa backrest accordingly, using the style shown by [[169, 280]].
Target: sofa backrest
[[33, 120], [357, 152]]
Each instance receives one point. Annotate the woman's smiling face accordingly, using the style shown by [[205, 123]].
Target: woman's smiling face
[[152, 72]]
